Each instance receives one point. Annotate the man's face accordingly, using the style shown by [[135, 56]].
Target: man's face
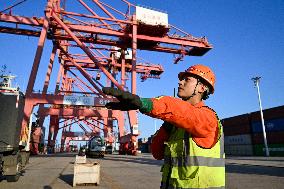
[[186, 86]]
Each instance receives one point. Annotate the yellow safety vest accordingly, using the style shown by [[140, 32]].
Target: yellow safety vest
[[188, 165]]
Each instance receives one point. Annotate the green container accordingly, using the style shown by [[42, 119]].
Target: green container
[[274, 149]]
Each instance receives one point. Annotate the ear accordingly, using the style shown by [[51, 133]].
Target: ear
[[202, 88]]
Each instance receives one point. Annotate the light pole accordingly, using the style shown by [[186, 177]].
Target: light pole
[[256, 81]]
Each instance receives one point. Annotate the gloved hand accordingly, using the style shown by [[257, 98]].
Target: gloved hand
[[127, 100]]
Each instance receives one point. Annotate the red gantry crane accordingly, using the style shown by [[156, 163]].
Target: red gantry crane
[[83, 32]]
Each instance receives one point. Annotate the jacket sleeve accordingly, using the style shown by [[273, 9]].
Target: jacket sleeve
[[200, 122], [158, 143]]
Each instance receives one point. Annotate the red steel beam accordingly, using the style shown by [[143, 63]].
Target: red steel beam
[[91, 11], [94, 17], [28, 103], [90, 88], [87, 63], [86, 50], [37, 98], [84, 73], [134, 48], [81, 88], [39, 50], [59, 74], [157, 48], [119, 12], [34, 21], [77, 112], [64, 79], [166, 39], [66, 125], [83, 128], [103, 31], [46, 82], [90, 126], [106, 11]]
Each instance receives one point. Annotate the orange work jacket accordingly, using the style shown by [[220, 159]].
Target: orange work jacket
[[199, 120]]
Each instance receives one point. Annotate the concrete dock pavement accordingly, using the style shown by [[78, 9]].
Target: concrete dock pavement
[[55, 171], [257, 160], [255, 172]]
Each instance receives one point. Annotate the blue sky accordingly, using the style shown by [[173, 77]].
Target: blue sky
[[247, 39]]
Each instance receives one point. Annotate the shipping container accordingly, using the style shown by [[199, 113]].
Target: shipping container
[[272, 113], [237, 125], [237, 120], [230, 130], [272, 138], [274, 149], [270, 125], [239, 150], [238, 139], [151, 17]]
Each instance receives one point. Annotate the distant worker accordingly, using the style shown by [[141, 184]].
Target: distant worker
[[191, 139]]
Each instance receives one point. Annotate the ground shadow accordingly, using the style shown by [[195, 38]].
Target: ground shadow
[[249, 158], [254, 169], [55, 155], [139, 160], [47, 187], [68, 178]]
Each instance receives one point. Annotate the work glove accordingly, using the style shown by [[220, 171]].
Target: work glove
[[127, 100]]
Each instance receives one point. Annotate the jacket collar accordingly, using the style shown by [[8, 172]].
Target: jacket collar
[[199, 104]]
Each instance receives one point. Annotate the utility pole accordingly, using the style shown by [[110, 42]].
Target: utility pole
[[155, 124], [256, 81]]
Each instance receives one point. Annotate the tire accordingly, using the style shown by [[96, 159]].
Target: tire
[[12, 178], [15, 178]]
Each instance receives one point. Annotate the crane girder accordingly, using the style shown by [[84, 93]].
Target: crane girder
[[141, 68], [193, 47]]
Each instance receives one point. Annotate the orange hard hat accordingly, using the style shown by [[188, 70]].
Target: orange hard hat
[[203, 72]]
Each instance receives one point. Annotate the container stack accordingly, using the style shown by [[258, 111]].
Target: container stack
[[274, 127], [237, 133], [244, 133]]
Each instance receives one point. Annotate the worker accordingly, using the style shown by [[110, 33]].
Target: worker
[[191, 138]]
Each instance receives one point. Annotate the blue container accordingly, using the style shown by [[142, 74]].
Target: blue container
[[270, 125]]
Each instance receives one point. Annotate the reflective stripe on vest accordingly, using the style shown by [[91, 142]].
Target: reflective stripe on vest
[[194, 161], [171, 187]]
